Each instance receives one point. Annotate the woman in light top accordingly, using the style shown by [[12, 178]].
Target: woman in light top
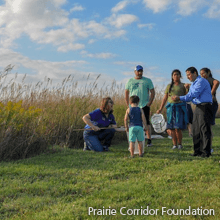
[[177, 118]]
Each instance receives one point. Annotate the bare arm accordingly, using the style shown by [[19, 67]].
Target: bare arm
[[126, 120], [127, 97], [152, 95], [215, 86], [163, 103], [144, 120], [87, 119]]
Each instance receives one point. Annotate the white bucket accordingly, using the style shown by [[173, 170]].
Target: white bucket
[[136, 150], [158, 122]]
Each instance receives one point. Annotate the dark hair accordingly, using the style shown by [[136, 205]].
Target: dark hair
[[134, 99], [192, 70], [172, 82], [104, 105], [207, 71]]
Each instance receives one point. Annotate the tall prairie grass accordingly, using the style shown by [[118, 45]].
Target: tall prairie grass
[[34, 117]]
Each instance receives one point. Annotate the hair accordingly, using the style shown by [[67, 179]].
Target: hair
[[192, 70], [172, 82], [134, 99], [104, 105], [207, 71]]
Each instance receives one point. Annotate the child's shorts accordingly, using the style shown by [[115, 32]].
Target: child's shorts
[[136, 132]]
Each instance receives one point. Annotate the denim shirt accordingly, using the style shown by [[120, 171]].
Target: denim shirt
[[199, 92]]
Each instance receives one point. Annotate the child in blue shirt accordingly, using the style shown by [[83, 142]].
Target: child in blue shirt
[[136, 121]]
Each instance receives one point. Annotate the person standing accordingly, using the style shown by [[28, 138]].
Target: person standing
[[143, 88], [137, 120], [214, 83], [177, 117], [200, 94]]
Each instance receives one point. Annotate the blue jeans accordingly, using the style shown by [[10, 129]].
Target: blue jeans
[[93, 138]]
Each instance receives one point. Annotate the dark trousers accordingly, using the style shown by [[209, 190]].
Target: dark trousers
[[93, 138], [202, 129]]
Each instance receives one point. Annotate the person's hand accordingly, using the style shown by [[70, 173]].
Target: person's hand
[[158, 111], [175, 98], [127, 129], [95, 128], [187, 85]]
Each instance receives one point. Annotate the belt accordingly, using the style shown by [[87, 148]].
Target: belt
[[205, 103]]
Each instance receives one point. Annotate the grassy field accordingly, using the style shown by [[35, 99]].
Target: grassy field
[[64, 183]]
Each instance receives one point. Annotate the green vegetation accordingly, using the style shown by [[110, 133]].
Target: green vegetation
[[64, 183]]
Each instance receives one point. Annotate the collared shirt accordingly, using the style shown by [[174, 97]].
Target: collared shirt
[[141, 88], [98, 118], [199, 92]]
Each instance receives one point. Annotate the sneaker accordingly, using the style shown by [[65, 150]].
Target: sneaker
[[169, 137], [174, 147], [180, 146], [212, 151], [105, 148], [149, 143], [131, 156], [141, 155]]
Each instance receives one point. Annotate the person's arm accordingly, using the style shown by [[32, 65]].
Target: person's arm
[[127, 97], [215, 86], [163, 103], [144, 120], [195, 93], [126, 120], [152, 95], [87, 119]]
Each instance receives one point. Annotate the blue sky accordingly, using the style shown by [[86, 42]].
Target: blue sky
[[56, 38]]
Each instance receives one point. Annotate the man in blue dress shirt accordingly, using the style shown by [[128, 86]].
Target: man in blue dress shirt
[[200, 94]]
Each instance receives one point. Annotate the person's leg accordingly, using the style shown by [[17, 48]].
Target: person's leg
[[106, 136], [92, 141], [140, 139], [146, 110], [206, 131], [190, 118], [174, 138], [179, 137], [169, 133], [196, 126], [132, 146], [140, 147], [189, 126]]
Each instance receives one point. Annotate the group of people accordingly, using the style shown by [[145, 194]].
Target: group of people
[[139, 95]]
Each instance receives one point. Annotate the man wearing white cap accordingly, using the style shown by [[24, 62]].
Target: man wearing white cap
[[144, 89]]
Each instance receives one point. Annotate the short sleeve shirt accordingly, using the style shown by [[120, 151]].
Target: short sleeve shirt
[[140, 87], [179, 90], [98, 118]]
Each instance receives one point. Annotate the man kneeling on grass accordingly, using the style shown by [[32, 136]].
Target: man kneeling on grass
[[137, 119]]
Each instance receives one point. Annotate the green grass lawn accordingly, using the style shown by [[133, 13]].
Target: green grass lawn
[[64, 184]]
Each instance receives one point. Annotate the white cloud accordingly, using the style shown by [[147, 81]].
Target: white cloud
[[45, 22], [91, 41], [157, 5], [120, 6], [71, 46], [149, 26], [98, 55], [121, 20], [77, 8], [56, 71], [214, 10], [187, 7]]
